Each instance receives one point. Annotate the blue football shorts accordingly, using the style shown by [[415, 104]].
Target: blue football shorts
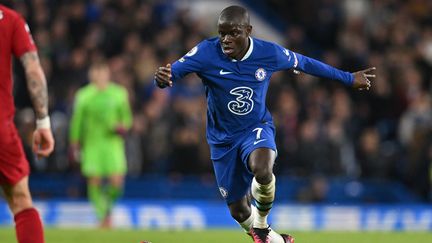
[[230, 161]]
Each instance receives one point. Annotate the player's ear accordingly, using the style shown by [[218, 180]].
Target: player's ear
[[249, 30]]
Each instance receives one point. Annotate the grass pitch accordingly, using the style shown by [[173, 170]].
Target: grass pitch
[[53, 235]]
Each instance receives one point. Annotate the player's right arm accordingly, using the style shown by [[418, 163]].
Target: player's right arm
[[192, 62], [163, 76], [75, 128]]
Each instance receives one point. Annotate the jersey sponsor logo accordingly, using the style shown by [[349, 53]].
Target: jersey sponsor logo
[[192, 52], [243, 104], [223, 192], [222, 72], [182, 59], [259, 141], [260, 74]]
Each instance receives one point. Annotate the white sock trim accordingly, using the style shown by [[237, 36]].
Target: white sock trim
[[264, 193], [248, 223]]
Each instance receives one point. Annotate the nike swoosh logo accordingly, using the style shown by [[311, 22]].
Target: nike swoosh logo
[[259, 141], [222, 72]]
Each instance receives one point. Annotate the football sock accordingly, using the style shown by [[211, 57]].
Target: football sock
[[28, 226], [248, 223], [98, 199], [275, 237], [264, 197], [113, 193]]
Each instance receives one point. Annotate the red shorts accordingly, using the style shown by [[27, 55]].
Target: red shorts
[[13, 163]]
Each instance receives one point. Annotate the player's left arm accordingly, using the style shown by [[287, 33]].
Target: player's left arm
[[125, 115], [36, 83], [286, 59], [43, 141], [125, 110], [23, 47], [357, 80]]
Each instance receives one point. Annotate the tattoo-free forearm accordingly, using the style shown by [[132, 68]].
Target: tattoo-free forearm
[[320, 69], [36, 83]]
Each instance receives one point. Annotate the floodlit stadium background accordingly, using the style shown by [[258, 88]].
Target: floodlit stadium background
[[347, 160]]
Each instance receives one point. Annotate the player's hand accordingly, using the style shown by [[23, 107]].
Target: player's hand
[[361, 79], [43, 142], [121, 130], [163, 76], [74, 153]]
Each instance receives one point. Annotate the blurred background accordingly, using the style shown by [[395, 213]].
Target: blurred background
[[336, 147]]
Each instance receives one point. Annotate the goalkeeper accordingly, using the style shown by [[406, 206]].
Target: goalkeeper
[[100, 120]]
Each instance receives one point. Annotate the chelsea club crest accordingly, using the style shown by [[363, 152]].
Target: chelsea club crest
[[260, 74]]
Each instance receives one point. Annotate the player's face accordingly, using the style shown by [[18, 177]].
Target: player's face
[[100, 75], [234, 38]]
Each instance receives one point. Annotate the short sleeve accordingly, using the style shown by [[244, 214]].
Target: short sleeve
[[22, 41]]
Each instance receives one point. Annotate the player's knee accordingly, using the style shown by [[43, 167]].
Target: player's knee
[[263, 174], [240, 215], [261, 164], [19, 201], [240, 210]]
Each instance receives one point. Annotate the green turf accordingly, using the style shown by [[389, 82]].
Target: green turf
[[213, 236]]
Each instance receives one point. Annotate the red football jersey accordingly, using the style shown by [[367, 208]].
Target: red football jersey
[[15, 39]]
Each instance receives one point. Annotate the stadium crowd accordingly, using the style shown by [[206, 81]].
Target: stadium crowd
[[323, 128]]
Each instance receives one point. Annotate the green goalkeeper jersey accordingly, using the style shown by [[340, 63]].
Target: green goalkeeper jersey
[[96, 117]]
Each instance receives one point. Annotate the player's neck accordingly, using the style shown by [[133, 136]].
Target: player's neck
[[101, 85]]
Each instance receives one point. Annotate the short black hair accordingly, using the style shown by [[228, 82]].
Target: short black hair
[[235, 13]]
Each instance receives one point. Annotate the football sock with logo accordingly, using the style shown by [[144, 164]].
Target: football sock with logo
[[98, 199], [264, 197], [28, 226]]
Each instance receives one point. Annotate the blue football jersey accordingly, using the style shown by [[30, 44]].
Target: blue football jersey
[[236, 90]]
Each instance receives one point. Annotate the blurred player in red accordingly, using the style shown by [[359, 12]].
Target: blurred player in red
[[16, 40]]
